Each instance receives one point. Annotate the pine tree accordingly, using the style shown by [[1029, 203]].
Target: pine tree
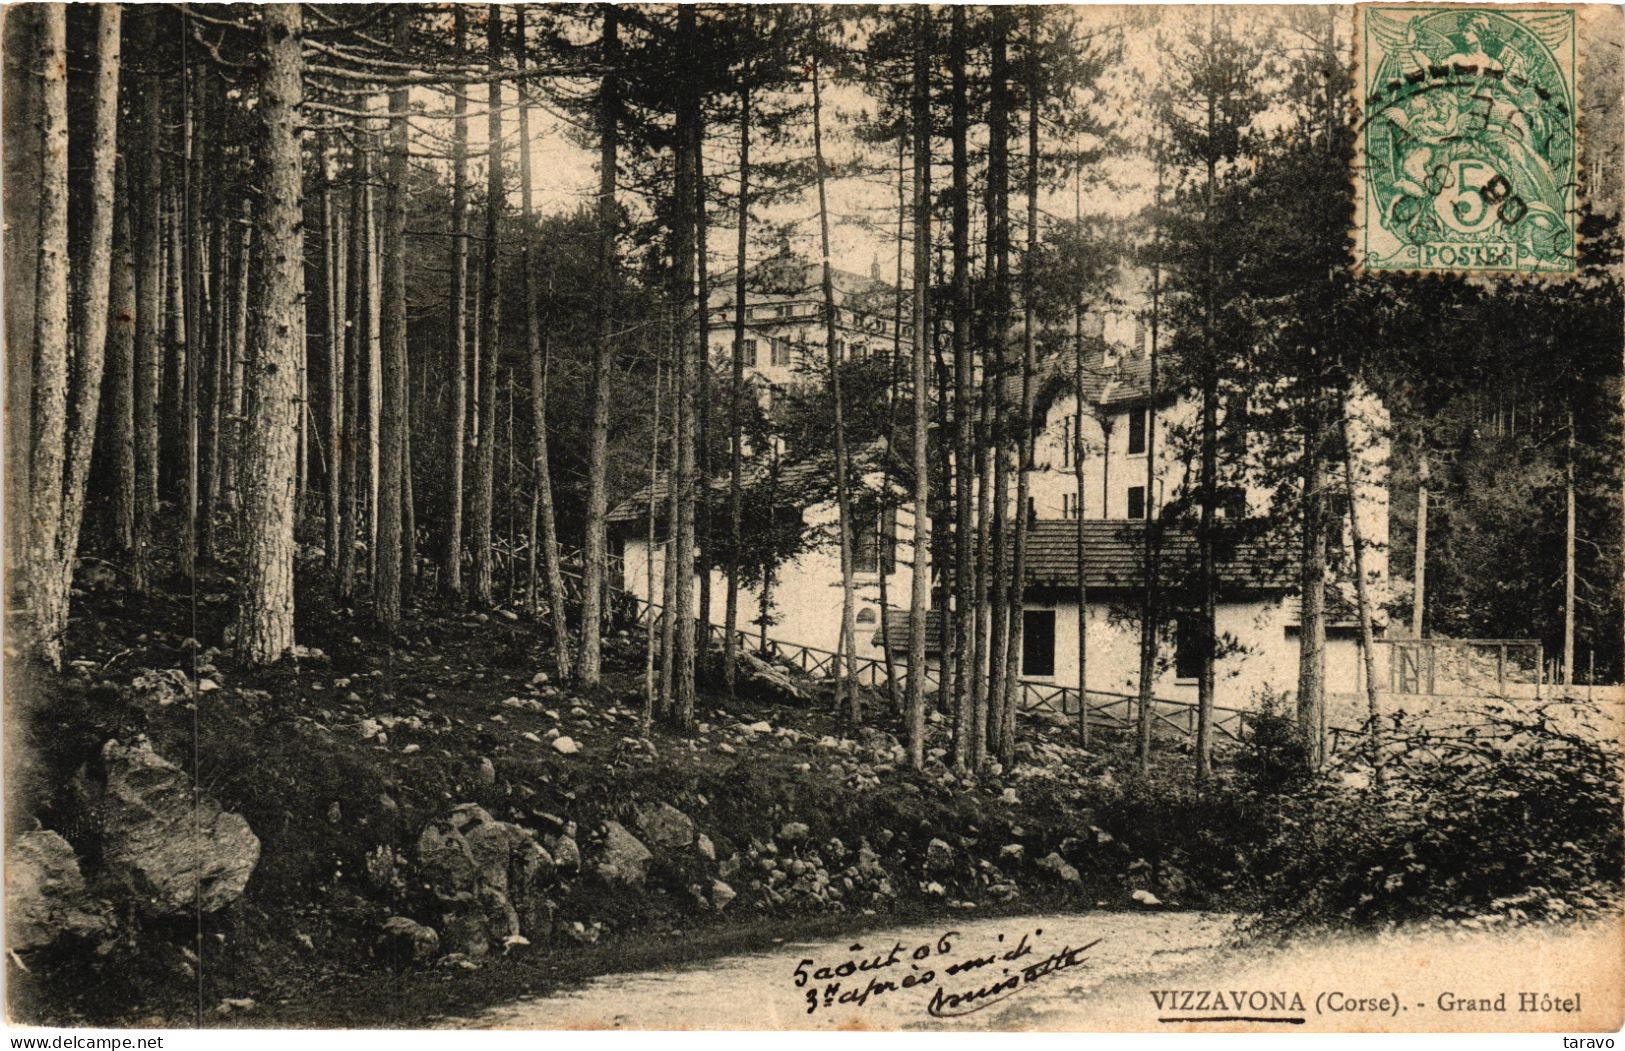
[[264, 630]]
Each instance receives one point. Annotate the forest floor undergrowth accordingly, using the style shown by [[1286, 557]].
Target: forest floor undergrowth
[[340, 757]]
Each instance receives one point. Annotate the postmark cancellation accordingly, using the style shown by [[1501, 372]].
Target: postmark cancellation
[[1469, 138]]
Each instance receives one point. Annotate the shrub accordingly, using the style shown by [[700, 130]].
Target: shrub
[[1508, 811]]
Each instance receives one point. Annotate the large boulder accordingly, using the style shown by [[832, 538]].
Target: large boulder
[[171, 845], [45, 894], [625, 859], [666, 826], [772, 680], [488, 877]]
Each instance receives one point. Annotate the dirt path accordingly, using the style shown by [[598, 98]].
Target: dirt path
[[761, 990], [1120, 971]]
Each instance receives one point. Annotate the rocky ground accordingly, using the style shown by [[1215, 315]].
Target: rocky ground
[[398, 813]]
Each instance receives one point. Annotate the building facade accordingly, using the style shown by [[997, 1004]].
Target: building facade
[[1136, 460]]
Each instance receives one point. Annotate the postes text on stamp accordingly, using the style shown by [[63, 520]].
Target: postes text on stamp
[[1469, 137]]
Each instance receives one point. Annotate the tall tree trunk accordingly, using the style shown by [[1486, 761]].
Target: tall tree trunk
[[690, 358], [146, 196], [1312, 621], [332, 270], [894, 695], [50, 393], [265, 605], [1029, 426], [121, 367], [1362, 597], [649, 564], [1209, 483], [64, 420], [217, 297], [1420, 563], [736, 391], [375, 371], [964, 455], [1149, 612], [546, 523], [668, 566], [847, 682], [992, 503], [596, 542], [490, 324], [1568, 555], [451, 557], [702, 393], [190, 243], [355, 365], [171, 473], [231, 465], [21, 156], [920, 584], [386, 592]]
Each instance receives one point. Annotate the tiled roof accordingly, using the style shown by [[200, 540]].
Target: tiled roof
[[1114, 557], [1114, 560]]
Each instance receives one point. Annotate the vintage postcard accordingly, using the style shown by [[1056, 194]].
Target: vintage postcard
[[787, 517]]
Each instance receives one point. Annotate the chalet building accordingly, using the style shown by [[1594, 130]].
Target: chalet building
[[1258, 616], [784, 318]]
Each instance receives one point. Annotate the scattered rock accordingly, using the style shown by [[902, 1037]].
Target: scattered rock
[[565, 746], [1058, 867], [626, 859], [665, 826], [403, 943], [161, 688], [45, 894], [1146, 898], [721, 895], [487, 771], [566, 854], [706, 849], [173, 846], [793, 832], [1013, 851], [938, 856]]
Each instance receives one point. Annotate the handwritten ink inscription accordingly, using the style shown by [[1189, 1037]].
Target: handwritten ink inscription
[[961, 982]]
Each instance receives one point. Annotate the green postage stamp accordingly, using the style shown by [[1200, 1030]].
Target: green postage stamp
[[1469, 138]]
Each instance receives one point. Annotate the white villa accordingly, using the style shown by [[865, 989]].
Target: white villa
[[1257, 617]]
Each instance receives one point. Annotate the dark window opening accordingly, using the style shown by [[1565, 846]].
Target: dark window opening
[[747, 352], [1136, 432], [1038, 642], [1136, 501], [1188, 648]]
